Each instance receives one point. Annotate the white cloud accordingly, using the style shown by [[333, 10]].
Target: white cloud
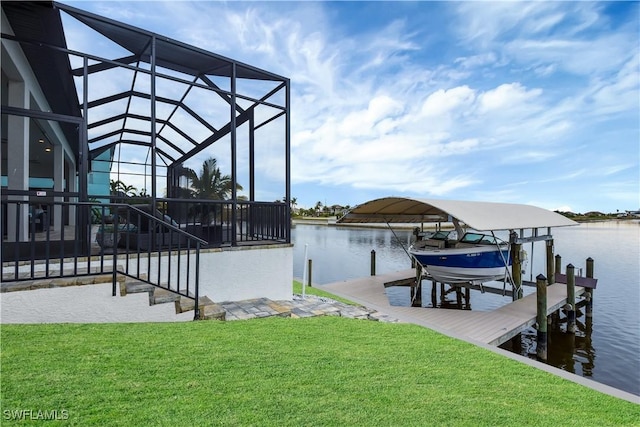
[[506, 98], [444, 101], [394, 108]]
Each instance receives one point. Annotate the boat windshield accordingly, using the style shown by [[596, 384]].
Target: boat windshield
[[479, 239], [440, 235]]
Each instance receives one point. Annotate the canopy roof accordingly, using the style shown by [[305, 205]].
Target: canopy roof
[[484, 216]]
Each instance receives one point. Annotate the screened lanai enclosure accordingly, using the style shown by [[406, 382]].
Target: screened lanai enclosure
[[137, 119], [117, 139]]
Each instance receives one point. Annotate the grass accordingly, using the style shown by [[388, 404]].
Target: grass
[[297, 289], [327, 371]]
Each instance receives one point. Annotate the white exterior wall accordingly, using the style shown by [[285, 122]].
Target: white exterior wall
[[246, 273], [229, 274]]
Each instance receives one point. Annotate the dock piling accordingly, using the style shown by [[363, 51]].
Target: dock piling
[[434, 294], [541, 318], [373, 262], [516, 269], [589, 309], [550, 262], [571, 299], [309, 281]]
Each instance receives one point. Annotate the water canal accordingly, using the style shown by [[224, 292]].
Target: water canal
[[605, 349]]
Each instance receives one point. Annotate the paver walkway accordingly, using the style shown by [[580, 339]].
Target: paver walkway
[[309, 306]]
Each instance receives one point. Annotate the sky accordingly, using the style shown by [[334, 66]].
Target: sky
[[515, 102]]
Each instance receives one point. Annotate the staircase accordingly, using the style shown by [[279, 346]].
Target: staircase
[[208, 310]]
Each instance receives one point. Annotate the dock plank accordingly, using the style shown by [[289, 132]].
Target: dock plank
[[489, 327]]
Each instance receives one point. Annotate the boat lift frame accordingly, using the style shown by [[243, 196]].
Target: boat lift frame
[[485, 216]]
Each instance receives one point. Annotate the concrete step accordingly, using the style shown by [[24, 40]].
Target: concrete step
[[55, 282], [208, 309], [213, 312], [135, 287], [54, 270], [162, 296], [187, 304]]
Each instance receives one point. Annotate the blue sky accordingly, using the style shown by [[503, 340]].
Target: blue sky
[[535, 103]]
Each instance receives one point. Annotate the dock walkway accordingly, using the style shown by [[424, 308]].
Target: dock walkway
[[488, 327]]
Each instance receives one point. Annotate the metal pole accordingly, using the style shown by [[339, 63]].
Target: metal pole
[[234, 170], [305, 272], [373, 262], [196, 314], [116, 238]]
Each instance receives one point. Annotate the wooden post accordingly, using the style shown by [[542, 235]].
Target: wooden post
[[434, 294], [416, 294], [373, 262], [571, 299], [550, 265], [467, 298], [442, 293], [516, 271], [309, 281], [541, 318], [558, 268], [459, 297], [589, 308]]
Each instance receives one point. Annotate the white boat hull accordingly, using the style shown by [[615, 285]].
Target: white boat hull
[[464, 264], [465, 275]]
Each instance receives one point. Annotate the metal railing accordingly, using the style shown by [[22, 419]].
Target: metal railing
[[56, 237], [222, 222], [61, 239]]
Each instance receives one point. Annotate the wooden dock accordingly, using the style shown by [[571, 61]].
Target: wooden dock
[[488, 327]]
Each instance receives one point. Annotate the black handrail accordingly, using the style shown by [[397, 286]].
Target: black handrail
[[212, 220], [31, 250], [140, 234]]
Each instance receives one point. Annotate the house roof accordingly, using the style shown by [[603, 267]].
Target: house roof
[[174, 143], [170, 53], [485, 216], [36, 23]]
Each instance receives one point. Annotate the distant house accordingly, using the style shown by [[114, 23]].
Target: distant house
[[141, 105]]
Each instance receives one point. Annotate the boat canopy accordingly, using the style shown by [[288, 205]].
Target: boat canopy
[[486, 216]]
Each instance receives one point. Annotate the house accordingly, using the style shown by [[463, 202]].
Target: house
[[138, 105]]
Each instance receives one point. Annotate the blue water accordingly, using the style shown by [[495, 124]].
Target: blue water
[[608, 353]]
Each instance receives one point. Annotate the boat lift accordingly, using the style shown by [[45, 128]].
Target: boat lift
[[484, 216]]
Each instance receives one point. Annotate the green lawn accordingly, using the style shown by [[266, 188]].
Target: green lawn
[[297, 289], [298, 372]]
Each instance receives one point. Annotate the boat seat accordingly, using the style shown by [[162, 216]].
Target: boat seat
[[440, 244]]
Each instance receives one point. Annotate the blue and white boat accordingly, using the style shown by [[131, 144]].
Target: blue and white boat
[[475, 258]]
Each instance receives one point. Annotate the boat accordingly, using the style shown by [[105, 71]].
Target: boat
[[474, 258]]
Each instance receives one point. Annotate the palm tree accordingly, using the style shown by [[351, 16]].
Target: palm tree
[[210, 184], [120, 188]]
